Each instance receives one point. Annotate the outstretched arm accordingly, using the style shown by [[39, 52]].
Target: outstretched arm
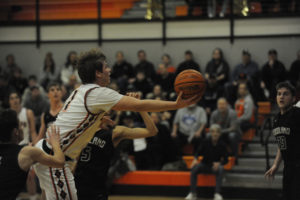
[[30, 155], [122, 132], [132, 104]]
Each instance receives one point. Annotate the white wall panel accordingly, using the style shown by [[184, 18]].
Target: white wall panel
[[70, 32], [17, 33]]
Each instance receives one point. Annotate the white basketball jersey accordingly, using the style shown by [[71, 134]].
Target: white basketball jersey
[[81, 116], [25, 126]]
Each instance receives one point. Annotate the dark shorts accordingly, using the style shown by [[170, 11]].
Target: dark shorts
[[291, 182]]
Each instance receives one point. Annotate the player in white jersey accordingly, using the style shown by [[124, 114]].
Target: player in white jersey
[[81, 117], [26, 118], [27, 122]]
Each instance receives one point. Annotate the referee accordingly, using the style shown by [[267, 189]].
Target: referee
[[287, 133]]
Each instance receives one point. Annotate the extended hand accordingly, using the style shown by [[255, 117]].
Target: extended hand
[[54, 136], [181, 103], [269, 175]]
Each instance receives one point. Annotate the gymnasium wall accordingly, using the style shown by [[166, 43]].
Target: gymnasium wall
[[199, 36]]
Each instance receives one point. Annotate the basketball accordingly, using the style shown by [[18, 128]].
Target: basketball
[[190, 82]]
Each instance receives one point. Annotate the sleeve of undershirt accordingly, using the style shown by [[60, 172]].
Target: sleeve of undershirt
[[102, 99]]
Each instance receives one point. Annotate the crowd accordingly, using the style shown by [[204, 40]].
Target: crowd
[[228, 105]]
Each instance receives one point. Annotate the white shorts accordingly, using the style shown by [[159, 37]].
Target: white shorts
[[58, 183]]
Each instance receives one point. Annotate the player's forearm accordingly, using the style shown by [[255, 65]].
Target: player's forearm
[[278, 158], [150, 126], [58, 154]]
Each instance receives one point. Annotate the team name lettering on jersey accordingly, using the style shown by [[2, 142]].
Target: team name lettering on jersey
[[281, 130], [98, 141]]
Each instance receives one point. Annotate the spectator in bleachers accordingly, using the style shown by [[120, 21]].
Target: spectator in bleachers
[[11, 65], [145, 66], [48, 74], [188, 63], [226, 117], [247, 67], [215, 156], [141, 84], [69, 71], [188, 126], [38, 104], [165, 79], [157, 93], [157, 152], [245, 108], [32, 81], [218, 66], [18, 81], [272, 73], [166, 60], [212, 6], [122, 71], [294, 73], [212, 93], [5, 89]]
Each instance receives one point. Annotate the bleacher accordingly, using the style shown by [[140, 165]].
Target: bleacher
[[66, 9], [251, 167]]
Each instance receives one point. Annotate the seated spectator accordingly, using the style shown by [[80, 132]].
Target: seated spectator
[[38, 104], [218, 66], [245, 108], [294, 73], [227, 119], [188, 126], [212, 93], [157, 93], [272, 73], [32, 81], [158, 154], [11, 65], [165, 79], [122, 71], [48, 74], [188, 63], [141, 84], [70, 70], [18, 81], [192, 4], [166, 60], [215, 156], [247, 67], [145, 66], [5, 89]]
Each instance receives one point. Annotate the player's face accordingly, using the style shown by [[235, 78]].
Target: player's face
[[284, 98], [55, 93], [104, 76], [14, 100]]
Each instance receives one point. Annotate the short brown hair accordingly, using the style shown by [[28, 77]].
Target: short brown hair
[[88, 63]]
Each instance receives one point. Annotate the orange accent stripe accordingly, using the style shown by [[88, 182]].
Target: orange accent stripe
[[51, 175], [70, 194], [176, 178]]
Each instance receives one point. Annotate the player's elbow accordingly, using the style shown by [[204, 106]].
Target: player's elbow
[[153, 132], [60, 162]]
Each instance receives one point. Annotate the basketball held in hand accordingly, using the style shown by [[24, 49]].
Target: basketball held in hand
[[191, 83]]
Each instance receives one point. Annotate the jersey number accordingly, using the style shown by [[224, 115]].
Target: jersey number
[[86, 154], [281, 141]]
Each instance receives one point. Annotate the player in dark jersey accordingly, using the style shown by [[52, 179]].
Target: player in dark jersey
[[94, 161], [16, 160], [286, 129], [55, 98]]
